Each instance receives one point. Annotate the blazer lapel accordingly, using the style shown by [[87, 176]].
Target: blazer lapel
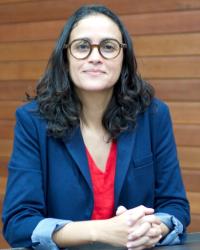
[[125, 144], [75, 146]]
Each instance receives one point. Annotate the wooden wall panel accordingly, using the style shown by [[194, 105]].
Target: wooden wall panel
[[194, 175], [143, 24], [23, 70], [3, 163], [7, 129], [33, 31], [195, 222], [3, 168], [15, 90], [187, 135], [163, 23], [154, 45], [14, 1], [27, 11], [27, 51], [185, 113], [167, 45], [6, 147], [189, 157], [182, 90], [166, 38], [194, 198], [150, 67], [170, 67], [7, 109]]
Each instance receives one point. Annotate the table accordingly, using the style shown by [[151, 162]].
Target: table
[[192, 242]]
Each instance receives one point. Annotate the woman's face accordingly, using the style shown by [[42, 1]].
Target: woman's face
[[95, 73]]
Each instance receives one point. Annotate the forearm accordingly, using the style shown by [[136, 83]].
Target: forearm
[[83, 232], [112, 231]]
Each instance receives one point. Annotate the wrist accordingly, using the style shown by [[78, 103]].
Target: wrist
[[99, 231], [164, 229], [94, 233]]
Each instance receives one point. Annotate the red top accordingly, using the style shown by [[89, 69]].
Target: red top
[[103, 185]]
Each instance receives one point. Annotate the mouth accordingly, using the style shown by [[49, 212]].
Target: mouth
[[94, 72]]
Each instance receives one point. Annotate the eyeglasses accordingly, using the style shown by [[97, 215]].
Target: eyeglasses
[[82, 48]]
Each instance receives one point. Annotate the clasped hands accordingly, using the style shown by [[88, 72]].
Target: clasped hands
[[137, 228]]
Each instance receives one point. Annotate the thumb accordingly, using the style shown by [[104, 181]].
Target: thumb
[[120, 210]]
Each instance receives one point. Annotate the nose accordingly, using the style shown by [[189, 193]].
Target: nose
[[95, 56]]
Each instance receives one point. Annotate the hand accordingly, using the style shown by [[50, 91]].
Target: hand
[[152, 237], [119, 227], [145, 233]]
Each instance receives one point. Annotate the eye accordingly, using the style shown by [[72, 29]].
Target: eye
[[109, 46], [81, 46]]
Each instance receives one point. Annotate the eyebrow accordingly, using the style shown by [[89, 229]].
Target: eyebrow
[[89, 40]]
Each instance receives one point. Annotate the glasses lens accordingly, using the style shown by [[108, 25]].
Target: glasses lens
[[109, 48], [80, 48]]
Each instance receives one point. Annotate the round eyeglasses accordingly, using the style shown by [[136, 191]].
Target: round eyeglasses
[[82, 48]]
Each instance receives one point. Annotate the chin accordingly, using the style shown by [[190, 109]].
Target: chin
[[95, 89], [92, 86]]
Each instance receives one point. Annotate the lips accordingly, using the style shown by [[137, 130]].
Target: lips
[[94, 71]]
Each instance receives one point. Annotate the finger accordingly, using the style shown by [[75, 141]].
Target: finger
[[120, 210], [137, 245], [146, 210], [142, 241], [153, 241], [137, 248], [135, 216], [154, 231], [151, 219], [139, 232]]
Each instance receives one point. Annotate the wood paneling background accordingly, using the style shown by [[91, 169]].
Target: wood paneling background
[[166, 37]]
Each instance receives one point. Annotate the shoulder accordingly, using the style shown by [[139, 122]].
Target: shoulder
[[28, 107], [27, 115], [159, 118], [156, 115], [158, 107]]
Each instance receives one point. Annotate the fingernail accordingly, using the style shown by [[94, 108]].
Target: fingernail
[[128, 245]]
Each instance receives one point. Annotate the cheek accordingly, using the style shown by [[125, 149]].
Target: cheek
[[73, 69], [117, 68]]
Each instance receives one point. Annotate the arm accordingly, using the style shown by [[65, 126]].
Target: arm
[[112, 231], [171, 204], [24, 211], [170, 196], [24, 205], [42, 234]]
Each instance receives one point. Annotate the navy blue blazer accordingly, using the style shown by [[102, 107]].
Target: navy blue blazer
[[49, 177]]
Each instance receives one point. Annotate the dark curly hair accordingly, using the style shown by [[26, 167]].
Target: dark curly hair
[[59, 104]]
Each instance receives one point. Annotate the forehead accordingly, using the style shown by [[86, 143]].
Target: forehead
[[96, 27]]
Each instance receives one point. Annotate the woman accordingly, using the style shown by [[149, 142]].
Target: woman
[[94, 156]]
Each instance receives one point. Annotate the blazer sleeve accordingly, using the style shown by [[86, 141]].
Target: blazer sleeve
[[170, 195], [24, 203]]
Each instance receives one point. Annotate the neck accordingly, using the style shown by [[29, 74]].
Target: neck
[[94, 106]]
